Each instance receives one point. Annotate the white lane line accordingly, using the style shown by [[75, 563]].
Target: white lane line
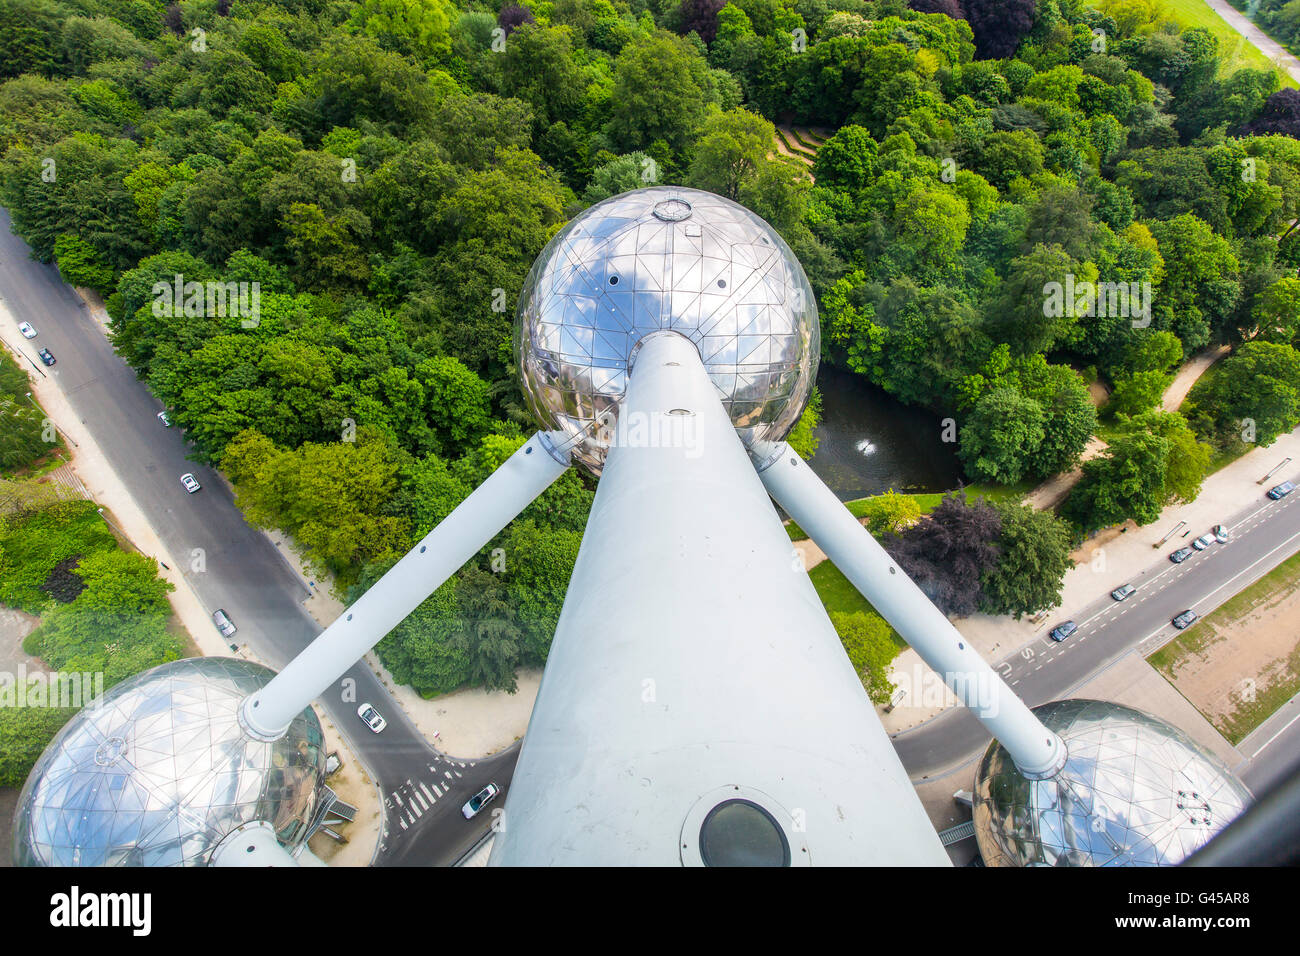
[[436, 790], [1275, 736], [447, 774], [427, 795], [418, 811]]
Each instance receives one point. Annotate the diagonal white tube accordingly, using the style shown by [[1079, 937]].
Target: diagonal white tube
[[475, 521], [1037, 751]]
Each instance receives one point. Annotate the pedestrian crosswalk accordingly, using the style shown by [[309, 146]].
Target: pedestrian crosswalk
[[406, 804]]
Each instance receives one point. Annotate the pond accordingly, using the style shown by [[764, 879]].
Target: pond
[[870, 442]]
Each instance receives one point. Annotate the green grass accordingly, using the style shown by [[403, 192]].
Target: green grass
[[1249, 714], [839, 595]]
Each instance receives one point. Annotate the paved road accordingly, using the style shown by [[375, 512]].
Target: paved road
[[244, 574], [1262, 535], [1272, 750]]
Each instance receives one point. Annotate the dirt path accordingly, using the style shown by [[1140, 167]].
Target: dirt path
[[1053, 491], [1188, 374]]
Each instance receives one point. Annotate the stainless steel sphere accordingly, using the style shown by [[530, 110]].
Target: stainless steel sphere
[[665, 258], [158, 771], [1135, 791]]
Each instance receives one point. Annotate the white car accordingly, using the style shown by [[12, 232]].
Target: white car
[[190, 483], [372, 718], [26, 329], [162, 417], [480, 800]]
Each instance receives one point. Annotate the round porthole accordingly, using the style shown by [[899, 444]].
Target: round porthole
[[741, 826], [741, 833]]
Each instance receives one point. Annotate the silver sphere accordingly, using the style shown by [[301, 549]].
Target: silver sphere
[[159, 770], [665, 258], [1135, 791]]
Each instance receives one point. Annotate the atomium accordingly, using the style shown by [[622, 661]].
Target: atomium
[[158, 771], [665, 258], [1134, 791]]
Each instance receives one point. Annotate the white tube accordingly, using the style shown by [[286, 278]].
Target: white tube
[[693, 664], [475, 521], [1037, 751]]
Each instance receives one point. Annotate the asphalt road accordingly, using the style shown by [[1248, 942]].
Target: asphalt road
[[1263, 534], [244, 573]]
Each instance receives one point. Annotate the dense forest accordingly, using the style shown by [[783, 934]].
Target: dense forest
[[384, 172]]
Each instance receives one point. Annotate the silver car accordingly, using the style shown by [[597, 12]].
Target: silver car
[[223, 622], [1203, 542], [190, 483], [479, 801]]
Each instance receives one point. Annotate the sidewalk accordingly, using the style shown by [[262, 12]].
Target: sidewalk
[[1112, 557]]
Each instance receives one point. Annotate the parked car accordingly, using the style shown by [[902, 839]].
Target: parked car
[[1123, 592], [223, 622], [190, 483], [1062, 631], [1184, 619], [1220, 534], [479, 801], [47, 356], [162, 417], [1204, 541], [1181, 555], [26, 329], [372, 718], [1282, 490]]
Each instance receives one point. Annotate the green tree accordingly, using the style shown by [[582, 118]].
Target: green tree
[[661, 88], [868, 642], [1126, 482], [1030, 571], [889, 513], [1138, 392], [999, 440], [731, 149]]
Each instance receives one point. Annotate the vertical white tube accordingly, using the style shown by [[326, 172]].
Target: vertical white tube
[[475, 521], [693, 664], [1036, 750]]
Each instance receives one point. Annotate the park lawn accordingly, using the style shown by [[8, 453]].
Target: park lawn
[[839, 595], [1235, 51]]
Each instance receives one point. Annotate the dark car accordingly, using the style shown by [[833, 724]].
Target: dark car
[[1181, 555], [46, 356], [1123, 592], [1184, 619], [1062, 631], [1282, 490]]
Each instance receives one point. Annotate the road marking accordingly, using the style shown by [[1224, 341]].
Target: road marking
[[1275, 736], [428, 796], [447, 774], [417, 800]]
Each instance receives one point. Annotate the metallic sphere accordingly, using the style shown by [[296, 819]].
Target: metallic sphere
[[1134, 791], [665, 258], [158, 771]]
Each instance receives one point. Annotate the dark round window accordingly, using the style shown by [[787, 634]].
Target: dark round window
[[741, 833]]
